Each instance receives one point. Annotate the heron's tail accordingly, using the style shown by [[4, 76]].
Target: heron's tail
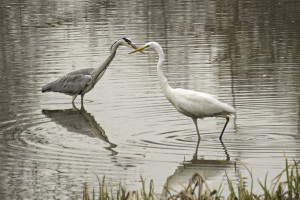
[[46, 88]]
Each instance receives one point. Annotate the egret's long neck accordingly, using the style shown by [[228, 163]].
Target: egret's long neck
[[162, 79], [98, 73]]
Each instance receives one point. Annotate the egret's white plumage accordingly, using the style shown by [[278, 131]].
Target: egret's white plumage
[[188, 102]]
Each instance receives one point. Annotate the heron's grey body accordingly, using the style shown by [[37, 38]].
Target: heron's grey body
[[72, 83], [81, 81]]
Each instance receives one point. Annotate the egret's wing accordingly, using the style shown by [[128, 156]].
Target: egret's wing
[[199, 104], [70, 84]]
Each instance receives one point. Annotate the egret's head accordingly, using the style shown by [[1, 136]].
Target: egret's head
[[127, 42]]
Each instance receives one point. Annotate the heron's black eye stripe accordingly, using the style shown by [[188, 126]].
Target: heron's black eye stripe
[[126, 40]]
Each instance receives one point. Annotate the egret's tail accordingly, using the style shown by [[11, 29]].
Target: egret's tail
[[229, 109]]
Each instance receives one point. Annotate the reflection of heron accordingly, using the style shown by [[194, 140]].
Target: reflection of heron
[[82, 81], [190, 103], [79, 121]]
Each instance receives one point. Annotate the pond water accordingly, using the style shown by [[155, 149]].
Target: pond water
[[246, 53]]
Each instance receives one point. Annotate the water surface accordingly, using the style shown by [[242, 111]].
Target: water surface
[[246, 53]]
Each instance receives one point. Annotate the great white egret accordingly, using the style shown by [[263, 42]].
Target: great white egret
[[188, 102], [82, 81]]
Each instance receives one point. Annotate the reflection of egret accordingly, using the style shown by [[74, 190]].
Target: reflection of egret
[[223, 146], [181, 176], [79, 121], [82, 81], [190, 103], [209, 168]]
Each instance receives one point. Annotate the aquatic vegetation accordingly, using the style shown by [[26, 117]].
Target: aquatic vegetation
[[198, 188], [121, 193]]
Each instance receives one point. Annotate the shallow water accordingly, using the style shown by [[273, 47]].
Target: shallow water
[[245, 53]]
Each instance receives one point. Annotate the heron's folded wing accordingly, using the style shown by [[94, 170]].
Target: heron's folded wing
[[70, 84]]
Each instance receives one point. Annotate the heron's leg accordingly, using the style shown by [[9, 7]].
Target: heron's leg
[[82, 99], [74, 97], [73, 106], [227, 120], [195, 122]]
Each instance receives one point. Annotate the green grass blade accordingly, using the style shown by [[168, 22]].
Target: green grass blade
[[297, 180], [290, 188], [230, 187], [264, 187]]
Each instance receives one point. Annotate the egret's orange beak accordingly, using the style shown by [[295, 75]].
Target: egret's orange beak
[[135, 47], [139, 49]]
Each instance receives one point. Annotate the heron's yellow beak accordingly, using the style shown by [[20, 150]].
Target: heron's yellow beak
[[139, 49], [135, 47]]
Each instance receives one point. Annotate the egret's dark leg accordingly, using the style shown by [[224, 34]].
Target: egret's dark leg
[[227, 120], [195, 122], [196, 150], [198, 142]]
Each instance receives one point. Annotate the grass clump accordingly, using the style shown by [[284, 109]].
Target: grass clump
[[197, 188], [120, 194]]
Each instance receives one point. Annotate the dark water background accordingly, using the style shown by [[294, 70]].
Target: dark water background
[[244, 52]]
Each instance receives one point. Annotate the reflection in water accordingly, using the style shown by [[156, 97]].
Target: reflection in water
[[209, 168], [223, 145], [79, 121], [225, 150]]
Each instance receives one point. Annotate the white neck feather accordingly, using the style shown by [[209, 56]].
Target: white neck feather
[[162, 79]]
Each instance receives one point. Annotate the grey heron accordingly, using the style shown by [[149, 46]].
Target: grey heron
[[81, 81], [188, 102]]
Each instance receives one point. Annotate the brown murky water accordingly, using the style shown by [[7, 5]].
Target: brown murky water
[[244, 52]]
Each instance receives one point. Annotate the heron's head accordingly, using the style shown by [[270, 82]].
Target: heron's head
[[127, 42]]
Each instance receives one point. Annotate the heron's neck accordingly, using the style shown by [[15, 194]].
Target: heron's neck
[[98, 72], [162, 79]]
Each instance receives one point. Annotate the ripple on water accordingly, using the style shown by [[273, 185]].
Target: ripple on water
[[40, 146]]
